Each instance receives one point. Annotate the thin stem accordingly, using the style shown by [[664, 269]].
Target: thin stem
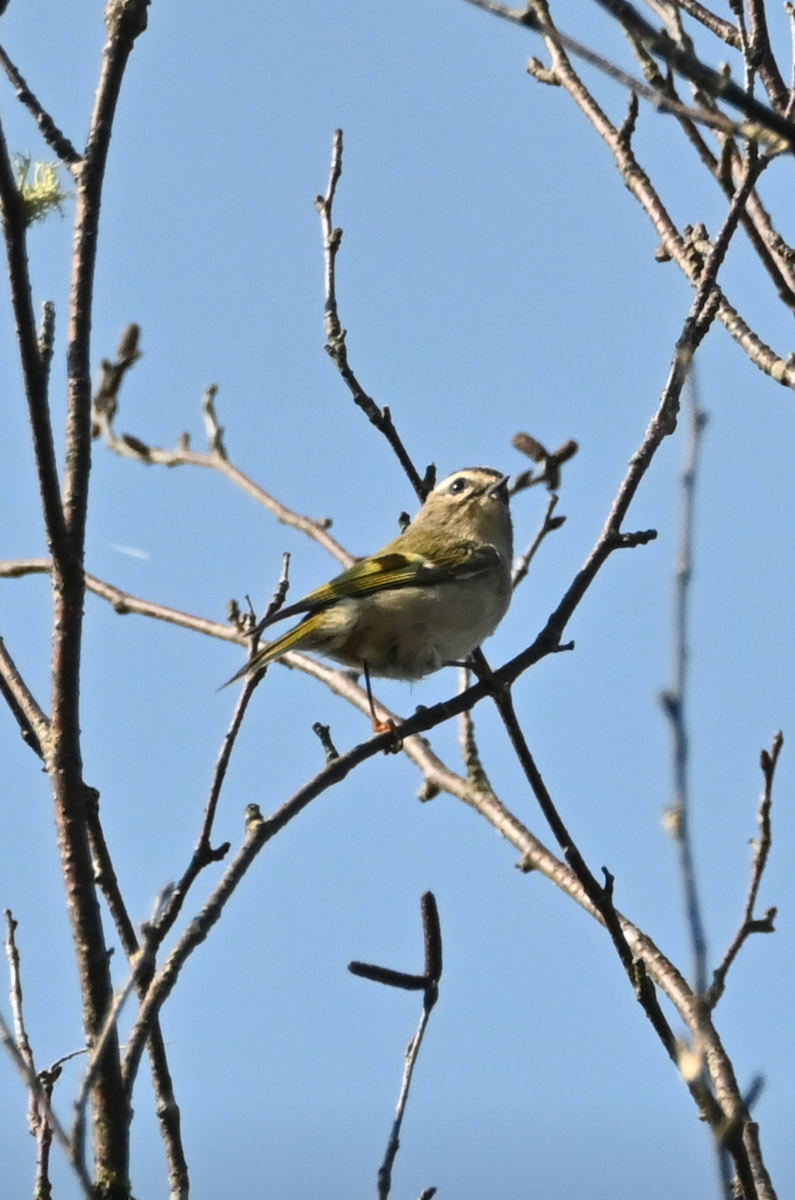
[[216, 459], [751, 924], [168, 1113], [393, 1145], [765, 120], [42, 1098], [549, 523], [33, 723], [204, 854], [52, 135], [782, 370], [683, 60], [674, 701], [34, 371], [336, 345]]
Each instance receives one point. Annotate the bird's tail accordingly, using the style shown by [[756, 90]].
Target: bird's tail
[[293, 639]]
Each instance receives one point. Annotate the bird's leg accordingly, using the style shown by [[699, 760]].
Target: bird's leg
[[378, 725]]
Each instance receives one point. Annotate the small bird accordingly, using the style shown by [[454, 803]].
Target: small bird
[[425, 601]]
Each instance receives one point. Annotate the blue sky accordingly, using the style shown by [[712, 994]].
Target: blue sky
[[495, 275]]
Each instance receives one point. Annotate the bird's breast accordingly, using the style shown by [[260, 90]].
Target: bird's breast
[[410, 632]]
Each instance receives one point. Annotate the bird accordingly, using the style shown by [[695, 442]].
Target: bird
[[427, 600]]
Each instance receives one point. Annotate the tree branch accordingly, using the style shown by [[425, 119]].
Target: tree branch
[[34, 371], [104, 412], [751, 924], [674, 703], [52, 135], [336, 336], [33, 724]]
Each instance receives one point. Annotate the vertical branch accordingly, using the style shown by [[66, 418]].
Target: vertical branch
[[674, 700], [125, 20], [428, 984], [32, 358], [166, 1106], [41, 1119]]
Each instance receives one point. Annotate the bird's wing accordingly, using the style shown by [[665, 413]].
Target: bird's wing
[[392, 569]]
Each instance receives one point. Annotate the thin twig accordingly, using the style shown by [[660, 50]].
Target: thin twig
[[125, 603], [33, 724], [336, 336], [470, 754], [52, 135], [141, 965], [34, 373], [167, 1108], [751, 924], [18, 1015], [714, 83], [674, 701], [599, 895], [762, 57], [768, 244], [204, 853], [711, 21], [216, 459], [548, 525], [763, 123], [429, 982], [39, 1092], [780, 369], [323, 733]]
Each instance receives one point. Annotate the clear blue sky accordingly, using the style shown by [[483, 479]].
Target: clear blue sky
[[495, 275]]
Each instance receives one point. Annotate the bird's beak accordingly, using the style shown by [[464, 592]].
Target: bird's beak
[[499, 489]]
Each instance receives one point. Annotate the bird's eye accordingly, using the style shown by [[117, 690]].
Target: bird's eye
[[458, 486]]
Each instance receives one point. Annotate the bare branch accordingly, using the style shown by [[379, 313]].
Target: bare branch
[[760, 54], [336, 335], [711, 21], [324, 736], [41, 1116], [751, 924], [216, 459], [17, 1012], [167, 1109], [765, 123], [142, 965], [599, 896], [475, 771], [429, 982], [125, 20], [33, 368], [52, 135], [674, 701], [683, 60], [674, 246], [33, 723], [549, 524]]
